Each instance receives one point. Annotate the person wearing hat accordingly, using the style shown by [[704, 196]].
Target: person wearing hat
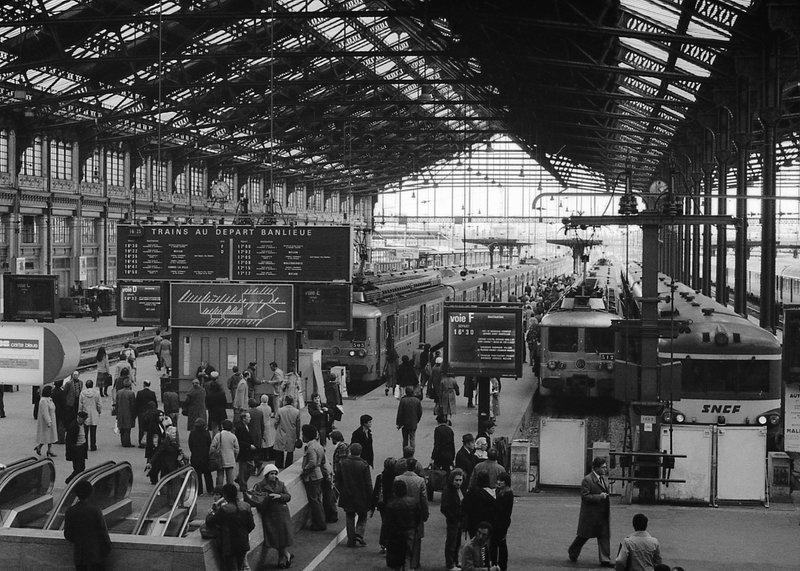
[[77, 447], [435, 382], [363, 436], [465, 458], [271, 498], [199, 446], [194, 406]]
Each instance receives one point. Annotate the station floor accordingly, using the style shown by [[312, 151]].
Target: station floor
[[543, 524]]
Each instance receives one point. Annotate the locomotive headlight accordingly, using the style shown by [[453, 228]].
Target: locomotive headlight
[[552, 365], [610, 366], [762, 419], [562, 365], [362, 353], [721, 338], [580, 363], [352, 353], [774, 419]]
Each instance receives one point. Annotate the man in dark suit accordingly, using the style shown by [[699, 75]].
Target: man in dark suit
[[77, 448], [354, 483], [246, 448], [465, 459], [363, 436], [144, 396], [595, 514], [444, 445], [85, 527], [409, 412], [256, 427]]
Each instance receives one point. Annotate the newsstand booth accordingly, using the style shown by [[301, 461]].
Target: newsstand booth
[[227, 325]]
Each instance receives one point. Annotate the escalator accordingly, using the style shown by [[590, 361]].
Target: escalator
[[26, 491], [171, 506], [111, 488]]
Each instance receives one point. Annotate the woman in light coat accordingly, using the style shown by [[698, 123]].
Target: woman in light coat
[[268, 432], [46, 428], [224, 450], [447, 399], [89, 402]]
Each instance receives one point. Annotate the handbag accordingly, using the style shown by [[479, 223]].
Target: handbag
[[298, 443], [436, 478], [214, 462], [397, 392], [114, 409]]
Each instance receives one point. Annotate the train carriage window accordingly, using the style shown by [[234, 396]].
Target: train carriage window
[[320, 335], [599, 340], [563, 339], [719, 377], [359, 331]]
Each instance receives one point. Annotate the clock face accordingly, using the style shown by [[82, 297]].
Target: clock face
[[220, 189]]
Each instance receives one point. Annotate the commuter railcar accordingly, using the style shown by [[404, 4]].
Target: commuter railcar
[[403, 313], [578, 344], [731, 367]]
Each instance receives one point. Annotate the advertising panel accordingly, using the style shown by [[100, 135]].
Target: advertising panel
[[239, 253], [232, 306], [22, 354], [483, 340]]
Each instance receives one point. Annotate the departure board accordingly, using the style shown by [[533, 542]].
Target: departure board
[[483, 341], [139, 304], [322, 306], [241, 253]]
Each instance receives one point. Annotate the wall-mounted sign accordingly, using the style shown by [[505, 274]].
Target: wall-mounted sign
[[483, 340], [22, 354], [232, 306], [139, 304], [241, 253], [30, 297], [324, 306]]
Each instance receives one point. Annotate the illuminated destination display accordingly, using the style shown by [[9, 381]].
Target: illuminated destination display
[[483, 341]]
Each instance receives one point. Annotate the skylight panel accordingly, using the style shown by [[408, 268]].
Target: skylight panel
[[655, 51], [691, 68], [54, 7], [662, 13], [682, 93]]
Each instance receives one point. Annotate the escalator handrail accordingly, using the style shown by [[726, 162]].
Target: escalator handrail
[[183, 472], [186, 479], [68, 490], [29, 466], [16, 465]]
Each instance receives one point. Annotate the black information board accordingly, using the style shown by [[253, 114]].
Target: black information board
[[322, 306], [232, 306], [30, 297], [241, 253], [139, 304], [483, 341]]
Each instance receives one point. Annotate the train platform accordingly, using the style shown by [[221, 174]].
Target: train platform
[[543, 524]]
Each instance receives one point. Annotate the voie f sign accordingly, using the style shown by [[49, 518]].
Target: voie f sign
[[483, 341]]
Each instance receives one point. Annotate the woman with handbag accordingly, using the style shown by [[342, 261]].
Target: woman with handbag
[[270, 498], [199, 450], [166, 457], [225, 448]]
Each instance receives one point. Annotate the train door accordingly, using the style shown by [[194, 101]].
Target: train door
[[423, 322]]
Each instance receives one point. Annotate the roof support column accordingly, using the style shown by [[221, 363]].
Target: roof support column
[[742, 140], [769, 114], [723, 156], [708, 176]]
